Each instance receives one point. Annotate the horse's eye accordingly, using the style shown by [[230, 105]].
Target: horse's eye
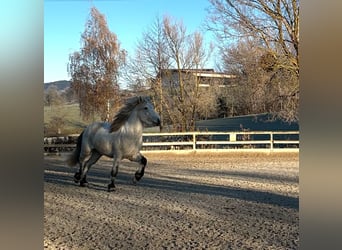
[[146, 108]]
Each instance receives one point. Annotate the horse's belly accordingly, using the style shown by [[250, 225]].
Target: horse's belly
[[104, 148]]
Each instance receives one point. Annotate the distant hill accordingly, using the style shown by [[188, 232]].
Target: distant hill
[[61, 85]]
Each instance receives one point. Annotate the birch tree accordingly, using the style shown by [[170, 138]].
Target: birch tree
[[94, 70]]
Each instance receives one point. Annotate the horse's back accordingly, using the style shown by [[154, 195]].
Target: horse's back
[[97, 137], [92, 129]]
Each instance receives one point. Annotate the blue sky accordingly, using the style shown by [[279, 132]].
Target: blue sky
[[64, 22]]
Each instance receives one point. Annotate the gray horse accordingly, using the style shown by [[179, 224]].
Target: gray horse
[[121, 139]]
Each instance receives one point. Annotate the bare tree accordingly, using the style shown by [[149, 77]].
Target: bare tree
[[273, 26], [165, 48], [52, 96], [187, 55], [143, 70], [54, 99], [249, 94], [258, 88], [95, 68]]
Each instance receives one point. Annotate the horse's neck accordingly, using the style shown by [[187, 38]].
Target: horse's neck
[[133, 126]]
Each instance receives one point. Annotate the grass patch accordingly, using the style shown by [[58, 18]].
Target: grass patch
[[64, 119]]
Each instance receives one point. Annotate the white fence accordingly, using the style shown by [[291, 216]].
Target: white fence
[[260, 141], [223, 141]]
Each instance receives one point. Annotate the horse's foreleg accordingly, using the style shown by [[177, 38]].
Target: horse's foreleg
[[140, 172], [113, 174]]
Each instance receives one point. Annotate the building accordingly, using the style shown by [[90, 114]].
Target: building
[[204, 77]]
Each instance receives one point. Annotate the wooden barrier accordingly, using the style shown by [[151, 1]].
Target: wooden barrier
[[258, 141]]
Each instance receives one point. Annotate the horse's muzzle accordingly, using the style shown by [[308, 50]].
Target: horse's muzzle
[[158, 123]]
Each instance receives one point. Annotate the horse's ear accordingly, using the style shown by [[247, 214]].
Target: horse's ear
[[140, 99]]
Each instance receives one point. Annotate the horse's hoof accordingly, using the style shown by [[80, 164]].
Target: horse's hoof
[[134, 181], [77, 177], [84, 184], [111, 187]]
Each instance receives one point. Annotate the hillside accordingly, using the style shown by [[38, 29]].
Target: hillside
[[61, 85]]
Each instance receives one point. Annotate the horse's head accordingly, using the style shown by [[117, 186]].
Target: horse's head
[[142, 107], [146, 113]]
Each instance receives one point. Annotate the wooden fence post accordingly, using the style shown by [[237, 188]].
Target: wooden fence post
[[194, 141]]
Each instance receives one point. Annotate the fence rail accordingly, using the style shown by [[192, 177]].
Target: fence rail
[[269, 141]]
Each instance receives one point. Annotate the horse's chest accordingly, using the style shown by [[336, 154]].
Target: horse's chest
[[131, 146]]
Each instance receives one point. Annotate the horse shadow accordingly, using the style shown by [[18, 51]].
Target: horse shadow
[[98, 177], [224, 191]]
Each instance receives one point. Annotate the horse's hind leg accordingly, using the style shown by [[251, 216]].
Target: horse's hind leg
[[77, 176], [95, 156], [140, 172], [83, 160], [85, 154]]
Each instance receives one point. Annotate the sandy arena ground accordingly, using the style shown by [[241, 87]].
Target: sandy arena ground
[[184, 201]]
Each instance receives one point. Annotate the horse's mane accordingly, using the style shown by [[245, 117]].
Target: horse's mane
[[125, 111]]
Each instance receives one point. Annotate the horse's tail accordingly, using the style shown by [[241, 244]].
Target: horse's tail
[[73, 159]]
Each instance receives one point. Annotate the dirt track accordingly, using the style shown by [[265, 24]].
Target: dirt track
[[209, 201]]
